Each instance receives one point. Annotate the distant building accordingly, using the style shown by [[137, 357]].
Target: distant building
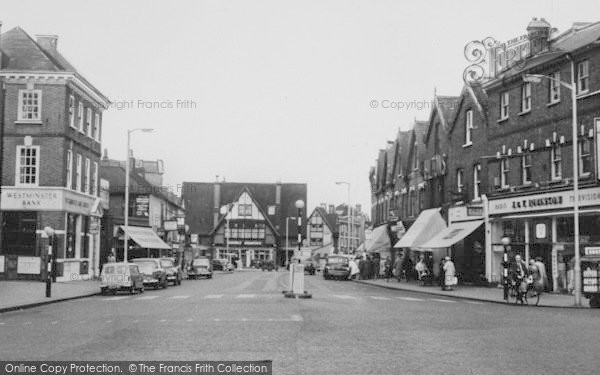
[[50, 132], [322, 235], [253, 225]]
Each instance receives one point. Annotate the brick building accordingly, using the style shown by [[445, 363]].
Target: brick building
[[51, 118], [252, 225]]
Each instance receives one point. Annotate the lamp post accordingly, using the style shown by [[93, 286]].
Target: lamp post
[[225, 211], [350, 217], [287, 239], [505, 242], [126, 214], [299, 206], [536, 78], [50, 233]]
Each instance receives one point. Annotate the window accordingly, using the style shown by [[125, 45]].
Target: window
[[504, 169], [526, 169], [30, 105], [586, 164], [415, 156], [28, 165], [96, 128], [95, 180], [245, 210], [69, 169], [72, 111], [459, 180], [504, 105], [583, 79], [80, 117], [554, 88], [88, 122], [556, 162], [476, 182], [526, 97], [86, 178], [78, 174], [19, 233], [468, 127]]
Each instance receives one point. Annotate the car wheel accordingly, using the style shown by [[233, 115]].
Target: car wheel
[[114, 292], [157, 285], [141, 290], [178, 281], [165, 284], [103, 291], [131, 290]]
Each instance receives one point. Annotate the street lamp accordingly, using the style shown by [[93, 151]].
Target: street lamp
[[350, 217], [536, 78], [299, 206], [287, 239], [50, 233], [505, 242], [126, 221]]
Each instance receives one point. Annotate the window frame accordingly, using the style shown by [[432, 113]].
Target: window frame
[[36, 166], [581, 156], [96, 129], [69, 181], [504, 173], [86, 176], [553, 87], [94, 186], [72, 111], [526, 161], [476, 182], [556, 162], [504, 105], [88, 121], [460, 172], [21, 113], [80, 113], [78, 179], [583, 78], [526, 97], [468, 127]]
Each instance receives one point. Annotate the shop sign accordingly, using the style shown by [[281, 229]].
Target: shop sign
[[28, 265], [194, 238], [170, 225], [1, 263], [94, 225], [545, 201], [591, 250], [142, 206], [463, 213], [540, 230], [475, 211], [44, 199]]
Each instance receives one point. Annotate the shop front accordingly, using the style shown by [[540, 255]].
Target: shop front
[[143, 243], [541, 226], [247, 252], [73, 216]]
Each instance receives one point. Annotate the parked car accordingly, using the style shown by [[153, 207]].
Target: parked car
[[200, 267], [153, 272], [174, 273], [221, 265], [337, 267], [121, 276], [268, 265]]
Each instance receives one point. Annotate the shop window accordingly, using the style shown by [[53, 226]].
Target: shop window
[[71, 235], [28, 165], [19, 232], [30, 106], [586, 164]]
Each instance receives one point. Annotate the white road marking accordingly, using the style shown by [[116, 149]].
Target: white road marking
[[109, 321], [214, 296], [293, 318], [146, 297], [441, 300], [163, 320], [475, 303], [190, 320], [343, 296], [380, 298], [411, 299], [180, 297], [52, 322], [246, 296], [2, 323], [115, 298], [26, 323]]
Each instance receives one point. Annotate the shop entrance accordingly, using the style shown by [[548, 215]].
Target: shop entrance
[[543, 251]]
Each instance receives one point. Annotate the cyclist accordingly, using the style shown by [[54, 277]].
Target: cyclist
[[519, 276]]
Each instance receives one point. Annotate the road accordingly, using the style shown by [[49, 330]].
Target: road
[[346, 328]]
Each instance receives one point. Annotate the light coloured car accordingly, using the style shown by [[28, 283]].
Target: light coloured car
[[117, 277], [200, 267], [153, 272]]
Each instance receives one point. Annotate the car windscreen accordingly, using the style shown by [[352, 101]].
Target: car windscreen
[[337, 260], [201, 262], [166, 263], [147, 267]]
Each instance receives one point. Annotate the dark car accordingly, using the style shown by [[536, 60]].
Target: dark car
[[153, 272], [221, 265], [268, 265], [174, 273], [309, 268], [337, 267], [200, 267]]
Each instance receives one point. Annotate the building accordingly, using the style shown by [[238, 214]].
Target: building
[[246, 221], [156, 216], [508, 163], [322, 234], [351, 228], [51, 121]]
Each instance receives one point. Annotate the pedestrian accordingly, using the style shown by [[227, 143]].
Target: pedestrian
[[369, 267], [353, 269], [442, 274], [535, 276], [421, 269], [387, 269], [408, 270], [519, 273], [449, 273], [376, 266], [543, 274], [111, 257], [398, 267], [362, 268]]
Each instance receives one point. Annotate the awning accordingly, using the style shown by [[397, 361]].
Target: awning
[[145, 237], [451, 235], [380, 241], [427, 225]]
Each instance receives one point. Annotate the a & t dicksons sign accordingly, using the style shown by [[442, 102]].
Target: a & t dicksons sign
[[546, 201]]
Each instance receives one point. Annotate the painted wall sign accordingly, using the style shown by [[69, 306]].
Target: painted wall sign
[[46, 199], [28, 265], [545, 201], [464, 213]]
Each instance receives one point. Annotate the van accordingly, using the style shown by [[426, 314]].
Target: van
[[117, 277]]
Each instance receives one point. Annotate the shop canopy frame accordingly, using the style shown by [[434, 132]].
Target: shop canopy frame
[[452, 234], [380, 241], [145, 237], [428, 223]]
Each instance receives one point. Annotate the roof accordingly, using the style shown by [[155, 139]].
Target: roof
[[20, 52], [330, 220], [200, 199], [444, 107], [477, 95], [580, 35]]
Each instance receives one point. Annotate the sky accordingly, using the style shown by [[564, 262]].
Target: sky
[[274, 90]]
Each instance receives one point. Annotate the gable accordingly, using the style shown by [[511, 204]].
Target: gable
[[244, 208]]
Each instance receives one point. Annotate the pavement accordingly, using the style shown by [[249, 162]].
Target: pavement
[[474, 293], [15, 295]]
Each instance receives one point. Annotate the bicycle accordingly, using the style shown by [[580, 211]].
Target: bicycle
[[515, 294]]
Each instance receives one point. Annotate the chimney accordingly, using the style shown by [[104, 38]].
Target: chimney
[[105, 156], [331, 209], [324, 206], [358, 208], [47, 42], [216, 202], [538, 32]]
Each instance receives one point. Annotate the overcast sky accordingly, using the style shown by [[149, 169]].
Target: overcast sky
[[282, 89]]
